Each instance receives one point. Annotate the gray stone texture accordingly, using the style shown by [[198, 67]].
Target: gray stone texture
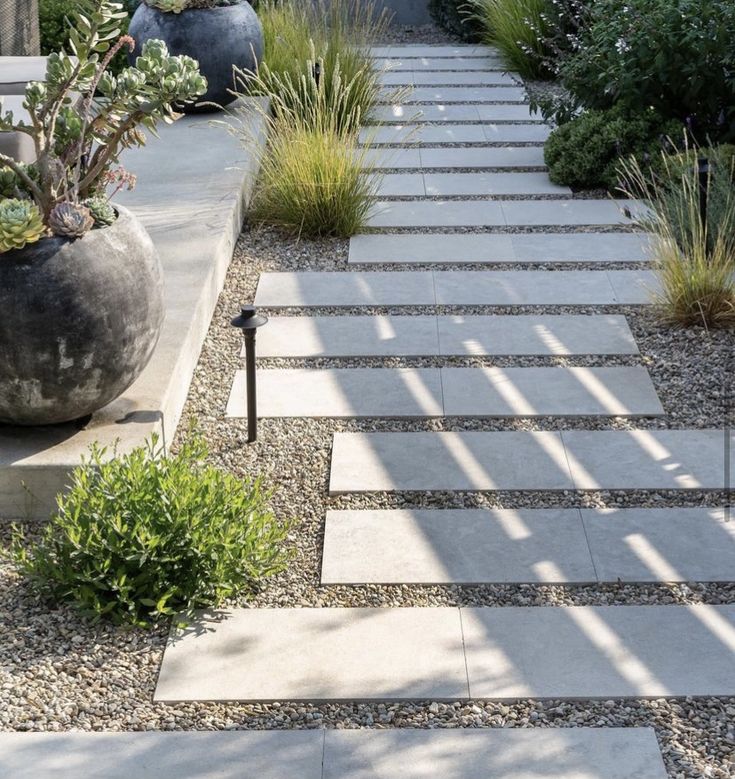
[[402, 114]]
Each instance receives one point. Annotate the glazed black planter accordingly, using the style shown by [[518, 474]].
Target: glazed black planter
[[78, 321], [218, 38]]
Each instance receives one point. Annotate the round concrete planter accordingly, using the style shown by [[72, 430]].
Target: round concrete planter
[[218, 38], [80, 319]]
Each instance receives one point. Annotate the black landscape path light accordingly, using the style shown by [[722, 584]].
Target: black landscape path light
[[249, 321]]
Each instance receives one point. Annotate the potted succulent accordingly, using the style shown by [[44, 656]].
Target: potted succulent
[[219, 34], [80, 280]]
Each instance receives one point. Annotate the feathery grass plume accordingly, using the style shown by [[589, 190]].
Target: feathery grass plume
[[517, 28], [694, 259]]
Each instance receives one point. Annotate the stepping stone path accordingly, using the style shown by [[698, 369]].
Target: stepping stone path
[[492, 652], [578, 753]]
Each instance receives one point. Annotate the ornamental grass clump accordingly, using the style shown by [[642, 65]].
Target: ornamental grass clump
[[146, 535], [518, 29], [694, 259], [322, 41], [315, 179], [81, 117]]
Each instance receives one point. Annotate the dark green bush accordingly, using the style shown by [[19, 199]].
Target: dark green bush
[[146, 535], [458, 18], [54, 28], [585, 152], [675, 56]]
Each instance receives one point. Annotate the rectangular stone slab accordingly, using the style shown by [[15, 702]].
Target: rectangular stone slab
[[415, 134], [418, 336], [221, 754], [600, 652], [535, 334], [514, 460], [324, 288], [460, 133], [342, 392], [400, 185], [456, 546], [349, 336], [494, 753], [498, 247], [670, 544], [450, 94], [421, 50], [316, 654], [453, 112], [504, 288], [555, 391], [451, 184], [422, 78], [437, 63], [496, 213], [487, 157], [452, 392], [647, 459]]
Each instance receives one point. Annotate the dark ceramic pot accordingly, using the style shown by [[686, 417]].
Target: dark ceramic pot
[[78, 321], [218, 38]]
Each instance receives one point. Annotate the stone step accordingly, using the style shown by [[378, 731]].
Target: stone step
[[430, 335], [447, 95], [318, 753], [449, 392], [450, 654], [401, 114], [524, 460], [498, 247], [453, 184], [308, 289], [417, 134], [486, 157], [421, 78], [429, 50], [498, 213], [518, 546], [438, 63]]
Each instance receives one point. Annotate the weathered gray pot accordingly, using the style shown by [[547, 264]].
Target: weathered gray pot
[[218, 38], [78, 321]]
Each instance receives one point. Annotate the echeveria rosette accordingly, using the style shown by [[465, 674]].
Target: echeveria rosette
[[20, 224]]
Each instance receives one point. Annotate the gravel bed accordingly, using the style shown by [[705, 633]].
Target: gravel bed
[[409, 34]]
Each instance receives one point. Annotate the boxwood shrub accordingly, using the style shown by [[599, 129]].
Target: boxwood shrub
[[585, 152]]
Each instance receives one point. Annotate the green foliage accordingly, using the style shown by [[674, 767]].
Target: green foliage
[[694, 262], [517, 28], [675, 56], [20, 224], [457, 18], [310, 48], [82, 116], [585, 152], [146, 535], [177, 6]]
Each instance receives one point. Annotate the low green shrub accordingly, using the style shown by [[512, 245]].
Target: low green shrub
[[674, 56], [694, 261], [518, 29], [457, 17], [145, 535], [585, 153]]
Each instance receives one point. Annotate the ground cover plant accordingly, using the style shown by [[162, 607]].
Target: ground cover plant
[[145, 535], [693, 221]]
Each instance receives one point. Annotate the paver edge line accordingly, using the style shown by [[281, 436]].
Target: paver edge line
[[464, 654], [324, 748], [569, 465], [586, 537]]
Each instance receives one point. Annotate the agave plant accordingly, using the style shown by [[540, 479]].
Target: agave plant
[[82, 117]]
